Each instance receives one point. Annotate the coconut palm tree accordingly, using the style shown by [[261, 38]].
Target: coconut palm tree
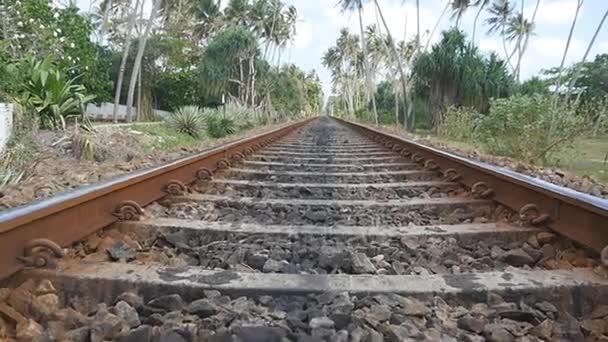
[[459, 7], [445, 9], [399, 62], [481, 4], [351, 5], [125, 56], [500, 12], [579, 67], [519, 29], [143, 40], [561, 65]]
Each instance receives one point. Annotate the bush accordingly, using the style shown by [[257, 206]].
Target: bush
[[188, 120], [458, 123], [219, 127], [530, 128], [53, 96]]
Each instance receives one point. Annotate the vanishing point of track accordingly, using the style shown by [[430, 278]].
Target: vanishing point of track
[[321, 206]]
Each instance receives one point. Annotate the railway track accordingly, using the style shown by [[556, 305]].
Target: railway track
[[320, 231]]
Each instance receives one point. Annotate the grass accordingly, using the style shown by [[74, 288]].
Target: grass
[[166, 138], [590, 158]]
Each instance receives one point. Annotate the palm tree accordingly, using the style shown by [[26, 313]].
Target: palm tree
[[519, 29], [123, 61], [445, 9], [143, 39], [561, 65], [398, 60], [481, 4], [458, 9], [500, 12], [579, 67], [350, 5]]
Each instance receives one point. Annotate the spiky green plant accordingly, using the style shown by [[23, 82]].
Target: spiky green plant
[[219, 127], [187, 120]]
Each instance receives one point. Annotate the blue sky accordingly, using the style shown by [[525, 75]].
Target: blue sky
[[321, 20]]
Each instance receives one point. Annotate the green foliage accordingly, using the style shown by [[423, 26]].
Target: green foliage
[[53, 96], [187, 120], [38, 27], [165, 137], [219, 127], [224, 59], [458, 123], [530, 128], [533, 86], [455, 73]]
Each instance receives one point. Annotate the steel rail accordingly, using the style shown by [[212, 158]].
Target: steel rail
[[68, 217], [578, 216]]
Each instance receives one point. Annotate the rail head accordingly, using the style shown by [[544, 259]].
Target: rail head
[[579, 216], [70, 216]]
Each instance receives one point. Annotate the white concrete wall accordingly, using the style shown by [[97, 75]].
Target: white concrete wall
[[105, 110], [6, 123]]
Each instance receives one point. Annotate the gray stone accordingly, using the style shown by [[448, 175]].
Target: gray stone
[[517, 257], [321, 322], [374, 336], [120, 251], [546, 307], [125, 311], [77, 335], [132, 299], [202, 308], [212, 294], [532, 252], [496, 333], [341, 336], [273, 266], [470, 323], [378, 314], [155, 319], [397, 333], [171, 302], [599, 312], [140, 334], [171, 336], [494, 299], [548, 251], [257, 260], [260, 334], [544, 330], [361, 264], [413, 307], [105, 325]]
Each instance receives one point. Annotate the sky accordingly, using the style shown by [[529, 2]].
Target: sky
[[320, 22]]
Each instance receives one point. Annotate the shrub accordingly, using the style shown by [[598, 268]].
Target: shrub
[[530, 128], [458, 123], [187, 120], [51, 94], [219, 127]]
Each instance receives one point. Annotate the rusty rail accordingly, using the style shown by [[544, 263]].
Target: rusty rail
[[578, 216], [30, 234]]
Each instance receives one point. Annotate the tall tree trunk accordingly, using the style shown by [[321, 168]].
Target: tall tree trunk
[[123, 61], [252, 67], [396, 107], [395, 53], [370, 87], [140, 55], [445, 9], [104, 22], [579, 67], [475, 23], [138, 112], [274, 16], [561, 65], [525, 44]]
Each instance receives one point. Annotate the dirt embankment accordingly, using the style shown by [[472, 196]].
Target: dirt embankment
[[64, 161]]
